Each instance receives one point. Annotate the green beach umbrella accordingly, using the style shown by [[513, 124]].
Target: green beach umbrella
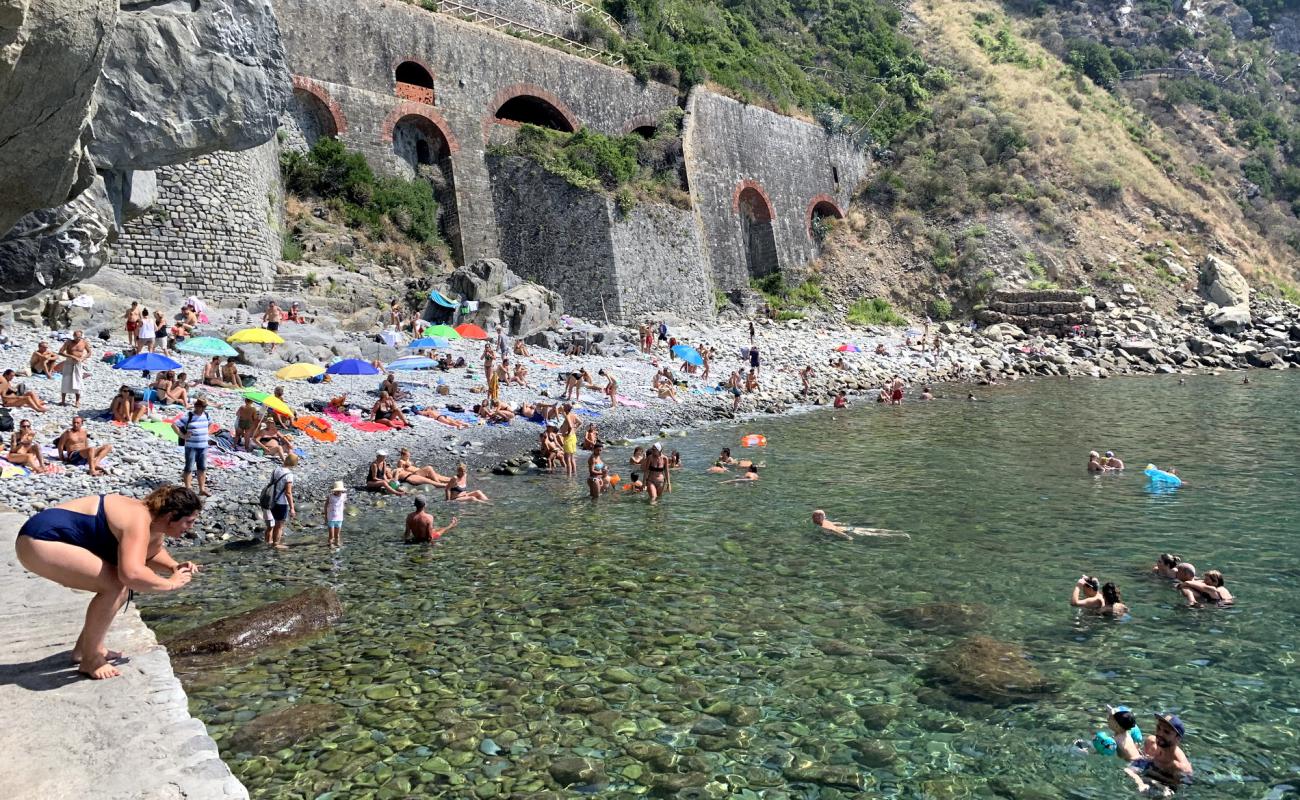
[[442, 331], [206, 346]]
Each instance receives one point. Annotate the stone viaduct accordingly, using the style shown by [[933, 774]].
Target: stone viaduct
[[423, 93]]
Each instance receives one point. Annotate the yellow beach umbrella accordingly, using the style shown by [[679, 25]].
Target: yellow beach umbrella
[[299, 372], [255, 336], [276, 404]]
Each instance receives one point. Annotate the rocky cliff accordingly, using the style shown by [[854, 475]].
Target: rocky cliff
[[90, 88]]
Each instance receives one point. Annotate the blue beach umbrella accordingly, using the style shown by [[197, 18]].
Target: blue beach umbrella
[[351, 366], [206, 346], [429, 343], [412, 363], [148, 362], [688, 354]]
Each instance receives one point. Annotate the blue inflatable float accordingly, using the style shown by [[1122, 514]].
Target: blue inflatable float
[[1161, 478]]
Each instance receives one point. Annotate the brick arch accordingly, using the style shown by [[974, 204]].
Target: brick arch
[[311, 87], [433, 77], [403, 110], [757, 187], [821, 200], [640, 121], [514, 90]]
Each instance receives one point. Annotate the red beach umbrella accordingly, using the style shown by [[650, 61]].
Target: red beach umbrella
[[471, 331]]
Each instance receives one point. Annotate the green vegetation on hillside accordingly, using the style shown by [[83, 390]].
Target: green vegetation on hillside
[[344, 180]]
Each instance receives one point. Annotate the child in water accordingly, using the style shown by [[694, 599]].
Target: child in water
[[335, 506]]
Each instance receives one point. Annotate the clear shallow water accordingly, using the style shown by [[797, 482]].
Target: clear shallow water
[[815, 658]]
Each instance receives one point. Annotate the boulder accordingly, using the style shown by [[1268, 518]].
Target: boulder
[[183, 79], [1002, 330], [285, 727], [1222, 284], [1139, 347], [942, 617], [987, 670], [1230, 319], [485, 278], [1265, 359], [523, 310], [51, 53], [53, 247], [292, 618]]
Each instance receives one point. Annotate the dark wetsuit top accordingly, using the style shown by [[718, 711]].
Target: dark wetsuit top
[[90, 531]]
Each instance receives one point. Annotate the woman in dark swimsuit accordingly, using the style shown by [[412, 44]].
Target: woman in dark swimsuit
[[109, 545], [656, 467], [458, 488]]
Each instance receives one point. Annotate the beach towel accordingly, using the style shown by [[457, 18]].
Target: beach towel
[[627, 401], [369, 427]]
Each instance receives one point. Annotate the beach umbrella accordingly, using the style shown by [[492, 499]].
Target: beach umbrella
[[442, 332], [471, 331], [148, 362], [255, 336], [206, 346], [269, 401], [848, 348], [688, 354], [299, 372], [412, 363], [351, 366], [429, 343]]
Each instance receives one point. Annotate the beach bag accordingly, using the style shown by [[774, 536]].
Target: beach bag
[[6, 421]]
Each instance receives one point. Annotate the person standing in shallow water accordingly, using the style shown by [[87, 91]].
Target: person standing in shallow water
[[109, 545]]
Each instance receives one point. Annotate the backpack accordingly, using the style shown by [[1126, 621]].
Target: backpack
[[6, 420], [267, 498]]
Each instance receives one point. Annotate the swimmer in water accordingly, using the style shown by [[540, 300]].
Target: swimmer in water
[[1166, 564], [849, 531], [751, 474], [1094, 462]]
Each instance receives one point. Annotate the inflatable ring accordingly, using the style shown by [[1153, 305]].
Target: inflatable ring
[[317, 428], [753, 440]]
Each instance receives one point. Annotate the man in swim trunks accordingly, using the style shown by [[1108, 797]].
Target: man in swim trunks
[[75, 352], [43, 360], [246, 424], [132, 323], [420, 528], [569, 436], [75, 448]]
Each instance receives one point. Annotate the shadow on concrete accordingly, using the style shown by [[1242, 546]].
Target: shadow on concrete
[[52, 672]]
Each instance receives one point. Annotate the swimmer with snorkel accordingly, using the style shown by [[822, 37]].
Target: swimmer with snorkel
[[850, 531]]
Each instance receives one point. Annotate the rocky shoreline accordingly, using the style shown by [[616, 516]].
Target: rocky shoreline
[[1123, 337]]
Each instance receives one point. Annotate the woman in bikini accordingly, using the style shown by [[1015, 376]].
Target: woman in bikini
[[638, 456], [408, 472], [437, 416], [273, 443], [23, 449], [109, 545], [1207, 591], [657, 479], [381, 478], [386, 412], [458, 488], [10, 398], [230, 375], [597, 473], [590, 438], [124, 407]]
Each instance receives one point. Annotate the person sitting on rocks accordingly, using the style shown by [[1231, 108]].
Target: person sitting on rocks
[[1209, 590], [178, 393], [11, 398], [663, 385], [390, 385], [520, 349], [458, 490], [124, 407], [212, 373], [189, 316], [381, 478], [24, 451], [499, 413], [230, 374], [519, 377], [274, 443], [880, 349], [294, 314], [751, 381], [43, 360], [590, 438], [75, 448], [550, 446], [883, 395], [410, 472], [109, 545], [386, 412]]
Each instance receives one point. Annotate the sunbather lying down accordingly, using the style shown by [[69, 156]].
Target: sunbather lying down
[[437, 416]]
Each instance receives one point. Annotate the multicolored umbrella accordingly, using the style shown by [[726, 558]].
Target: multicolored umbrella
[[148, 362], [207, 346], [471, 331], [688, 354], [299, 372], [442, 331], [255, 336], [351, 366], [269, 401]]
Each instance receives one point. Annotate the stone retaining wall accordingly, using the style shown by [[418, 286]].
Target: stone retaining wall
[[1049, 309], [215, 228]]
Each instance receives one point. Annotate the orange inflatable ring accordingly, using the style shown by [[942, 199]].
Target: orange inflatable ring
[[317, 428], [754, 440]]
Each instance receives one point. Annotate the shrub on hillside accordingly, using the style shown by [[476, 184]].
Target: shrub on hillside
[[873, 311]]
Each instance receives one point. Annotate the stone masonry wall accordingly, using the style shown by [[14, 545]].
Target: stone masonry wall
[[730, 146], [215, 227], [537, 13], [574, 241]]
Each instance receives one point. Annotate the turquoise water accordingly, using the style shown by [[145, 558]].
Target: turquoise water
[[716, 645]]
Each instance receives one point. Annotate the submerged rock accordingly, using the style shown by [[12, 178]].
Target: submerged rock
[[941, 617], [285, 727], [304, 613], [986, 669]]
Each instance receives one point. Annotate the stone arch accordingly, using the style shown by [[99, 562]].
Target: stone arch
[[413, 81], [312, 113], [758, 239], [424, 144], [820, 207], [524, 102], [643, 125]]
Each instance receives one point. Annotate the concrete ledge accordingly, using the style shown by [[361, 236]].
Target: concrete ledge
[[67, 738]]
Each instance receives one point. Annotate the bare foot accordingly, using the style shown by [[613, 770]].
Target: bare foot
[[104, 653], [97, 669], [206, 493], [281, 547]]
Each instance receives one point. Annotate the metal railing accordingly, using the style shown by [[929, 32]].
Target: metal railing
[[1174, 72], [580, 6], [469, 13]]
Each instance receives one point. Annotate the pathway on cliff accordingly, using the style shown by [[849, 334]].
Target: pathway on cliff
[[66, 738]]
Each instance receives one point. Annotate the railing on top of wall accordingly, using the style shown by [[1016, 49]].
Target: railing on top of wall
[[587, 6], [471, 14]]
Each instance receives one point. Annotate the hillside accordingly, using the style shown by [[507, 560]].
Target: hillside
[[1009, 149]]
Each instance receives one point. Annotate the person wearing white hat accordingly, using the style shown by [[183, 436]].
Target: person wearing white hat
[[335, 506]]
